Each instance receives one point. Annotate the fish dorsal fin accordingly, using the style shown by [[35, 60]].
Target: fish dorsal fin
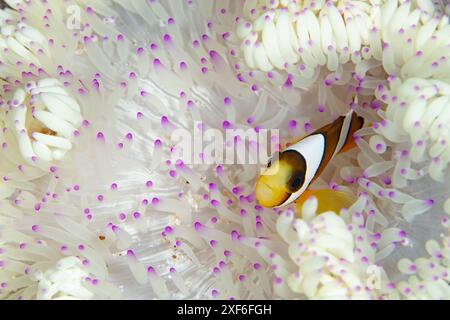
[[344, 132], [347, 142]]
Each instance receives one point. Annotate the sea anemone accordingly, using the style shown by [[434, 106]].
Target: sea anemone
[[101, 199]]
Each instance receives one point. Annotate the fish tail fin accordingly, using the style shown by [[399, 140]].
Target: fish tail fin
[[357, 122]]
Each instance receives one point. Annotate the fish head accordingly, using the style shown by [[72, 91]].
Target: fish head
[[284, 176]]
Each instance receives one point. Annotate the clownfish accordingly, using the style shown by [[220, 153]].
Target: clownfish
[[290, 172]]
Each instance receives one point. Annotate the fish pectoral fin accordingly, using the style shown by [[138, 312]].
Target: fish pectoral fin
[[327, 200]]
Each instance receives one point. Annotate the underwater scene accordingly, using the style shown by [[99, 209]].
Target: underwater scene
[[224, 149]]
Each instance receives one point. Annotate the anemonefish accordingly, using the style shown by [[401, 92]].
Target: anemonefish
[[292, 171]]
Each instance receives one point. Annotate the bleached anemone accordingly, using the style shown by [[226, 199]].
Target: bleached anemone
[[323, 248], [97, 201], [52, 116]]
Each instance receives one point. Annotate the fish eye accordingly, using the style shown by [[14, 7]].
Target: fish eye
[[269, 163], [295, 183]]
